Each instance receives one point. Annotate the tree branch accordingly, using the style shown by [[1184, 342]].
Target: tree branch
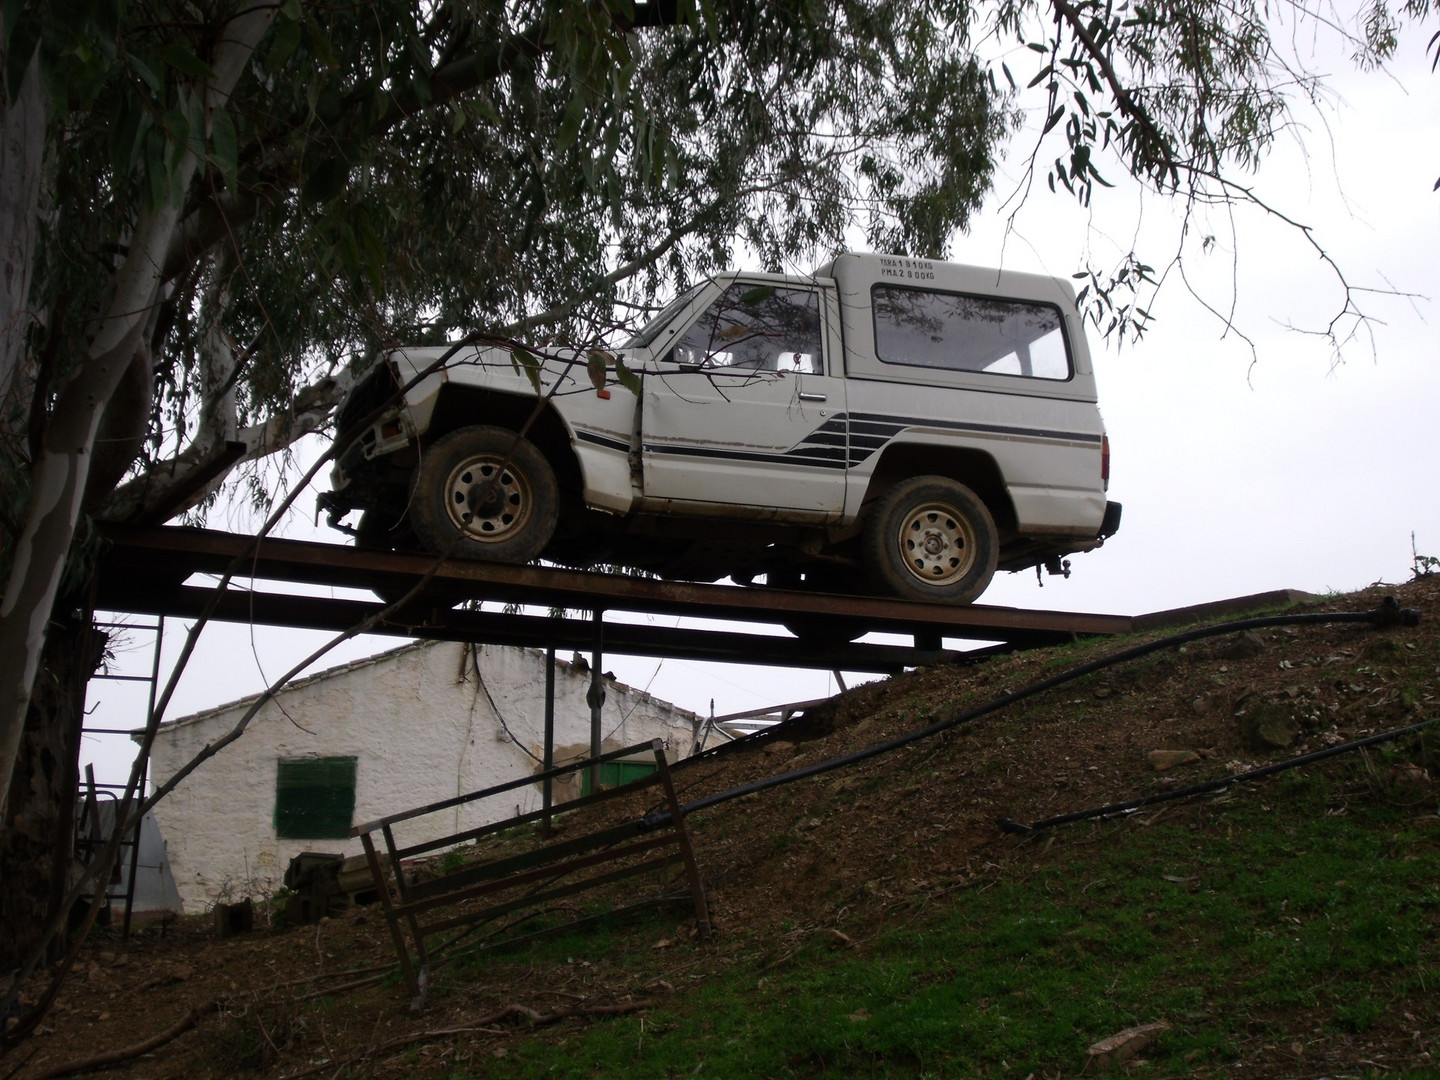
[[150, 496], [1137, 115], [209, 223], [483, 1025], [115, 1057]]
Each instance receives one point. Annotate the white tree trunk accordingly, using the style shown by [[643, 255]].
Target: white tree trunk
[[60, 474], [152, 492], [22, 155]]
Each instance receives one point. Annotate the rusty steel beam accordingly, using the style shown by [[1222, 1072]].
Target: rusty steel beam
[[165, 557], [531, 631]]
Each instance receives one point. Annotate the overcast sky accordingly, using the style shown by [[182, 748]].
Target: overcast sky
[[1240, 470]]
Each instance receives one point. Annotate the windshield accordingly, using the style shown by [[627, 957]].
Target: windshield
[[651, 330]]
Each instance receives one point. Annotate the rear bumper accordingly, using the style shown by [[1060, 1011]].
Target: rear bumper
[[1110, 523]]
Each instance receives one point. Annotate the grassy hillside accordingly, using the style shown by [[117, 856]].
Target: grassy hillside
[[876, 921]]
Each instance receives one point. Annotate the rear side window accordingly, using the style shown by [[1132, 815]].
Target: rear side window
[[924, 328]]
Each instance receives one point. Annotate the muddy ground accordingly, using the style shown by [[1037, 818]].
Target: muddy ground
[[857, 848]]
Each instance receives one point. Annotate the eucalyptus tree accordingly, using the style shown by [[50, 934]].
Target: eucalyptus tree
[[216, 204], [207, 209]]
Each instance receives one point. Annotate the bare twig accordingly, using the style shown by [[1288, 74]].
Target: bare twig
[[354, 984], [481, 1025], [114, 1057]]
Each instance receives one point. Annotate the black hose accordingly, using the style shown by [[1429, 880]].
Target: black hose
[[1389, 613], [1022, 829]]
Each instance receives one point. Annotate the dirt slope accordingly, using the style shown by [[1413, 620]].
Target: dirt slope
[[855, 848]]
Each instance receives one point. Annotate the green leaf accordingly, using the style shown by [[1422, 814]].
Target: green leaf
[[329, 105], [127, 124], [526, 363], [595, 366], [224, 146], [487, 108], [145, 71], [627, 378], [156, 175], [283, 41], [184, 60], [195, 115], [177, 132], [570, 125], [326, 180]]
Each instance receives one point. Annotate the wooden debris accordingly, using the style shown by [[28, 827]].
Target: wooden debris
[[1162, 760], [1124, 1045]]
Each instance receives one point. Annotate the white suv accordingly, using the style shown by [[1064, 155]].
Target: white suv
[[923, 422]]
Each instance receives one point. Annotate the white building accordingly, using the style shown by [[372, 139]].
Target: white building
[[400, 730]]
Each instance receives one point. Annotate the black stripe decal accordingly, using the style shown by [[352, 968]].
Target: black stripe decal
[[901, 422], [801, 455], [603, 440], [825, 447]]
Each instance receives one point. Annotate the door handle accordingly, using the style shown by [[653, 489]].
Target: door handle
[[807, 396]]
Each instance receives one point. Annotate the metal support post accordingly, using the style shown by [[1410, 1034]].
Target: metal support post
[[548, 788], [596, 695]]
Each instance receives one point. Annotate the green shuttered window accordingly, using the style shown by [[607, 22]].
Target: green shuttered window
[[314, 798], [617, 773]]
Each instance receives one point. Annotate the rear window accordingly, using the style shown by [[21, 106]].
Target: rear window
[[956, 332]]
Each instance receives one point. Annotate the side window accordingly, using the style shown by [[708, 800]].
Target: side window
[[969, 333], [314, 798], [755, 328]]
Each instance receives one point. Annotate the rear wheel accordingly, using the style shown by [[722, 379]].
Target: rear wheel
[[822, 629], [931, 538], [485, 493]]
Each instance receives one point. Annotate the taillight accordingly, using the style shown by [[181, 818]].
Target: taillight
[[1105, 461]]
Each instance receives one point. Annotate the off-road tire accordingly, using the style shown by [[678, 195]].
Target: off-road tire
[[823, 629], [521, 498], [377, 532], [931, 538]]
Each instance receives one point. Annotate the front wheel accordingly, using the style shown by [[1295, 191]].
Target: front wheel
[[485, 493], [931, 538], [377, 531]]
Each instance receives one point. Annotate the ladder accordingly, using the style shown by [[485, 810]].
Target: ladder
[[90, 832]]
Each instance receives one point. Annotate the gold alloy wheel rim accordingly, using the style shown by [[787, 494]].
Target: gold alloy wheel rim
[[937, 544], [507, 499]]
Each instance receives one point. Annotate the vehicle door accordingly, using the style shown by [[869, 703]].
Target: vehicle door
[[743, 409]]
